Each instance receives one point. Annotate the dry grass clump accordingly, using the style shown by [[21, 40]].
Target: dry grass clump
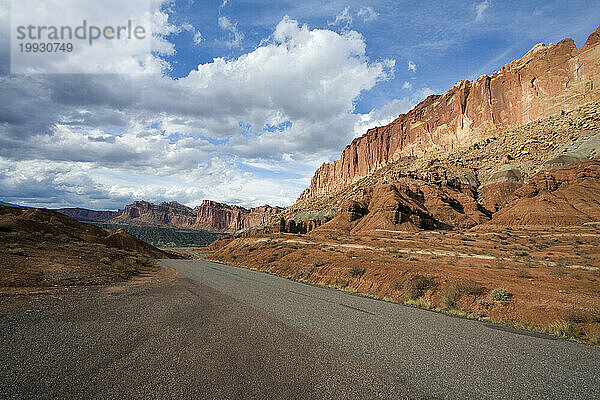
[[417, 285], [356, 271], [341, 283], [566, 329], [500, 295]]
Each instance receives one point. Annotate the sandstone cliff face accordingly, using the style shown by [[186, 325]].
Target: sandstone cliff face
[[210, 215], [144, 213], [545, 81]]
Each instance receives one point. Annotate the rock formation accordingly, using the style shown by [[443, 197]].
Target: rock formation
[[54, 224], [167, 214], [394, 209], [210, 215], [566, 196], [85, 215], [462, 189], [220, 217], [543, 82]]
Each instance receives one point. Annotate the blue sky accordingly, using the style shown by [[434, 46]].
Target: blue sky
[[240, 101], [445, 39]]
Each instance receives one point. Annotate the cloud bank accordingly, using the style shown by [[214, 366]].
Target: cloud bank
[[248, 130]]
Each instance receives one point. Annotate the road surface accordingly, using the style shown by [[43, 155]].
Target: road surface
[[431, 354], [221, 332]]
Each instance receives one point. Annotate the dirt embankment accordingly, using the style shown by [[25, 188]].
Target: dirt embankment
[[43, 248]]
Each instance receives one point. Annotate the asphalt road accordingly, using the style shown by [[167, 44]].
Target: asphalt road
[[221, 332]]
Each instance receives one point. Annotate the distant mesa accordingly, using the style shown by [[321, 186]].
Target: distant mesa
[[85, 215], [3, 203], [210, 215]]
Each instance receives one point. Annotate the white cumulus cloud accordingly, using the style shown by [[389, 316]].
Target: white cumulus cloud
[[104, 140]]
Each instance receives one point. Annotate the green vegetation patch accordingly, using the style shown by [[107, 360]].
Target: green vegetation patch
[[162, 236], [315, 214]]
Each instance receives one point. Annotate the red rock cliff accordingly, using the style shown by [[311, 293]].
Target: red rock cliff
[[211, 215], [543, 82], [144, 213]]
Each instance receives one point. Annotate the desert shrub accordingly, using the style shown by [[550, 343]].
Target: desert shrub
[[522, 254], [64, 238], [452, 293], [485, 304], [6, 227], [576, 317], [318, 262], [397, 285], [341, 283], [566, 329], [18, 252], [561, 262], [523, 273], [450, 296], [579, 277], [500, 295], [105, 260], [144, 260], [304, 273], [125, 267], [418, 284], [470, 287], [356, 270], [558, 273]]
